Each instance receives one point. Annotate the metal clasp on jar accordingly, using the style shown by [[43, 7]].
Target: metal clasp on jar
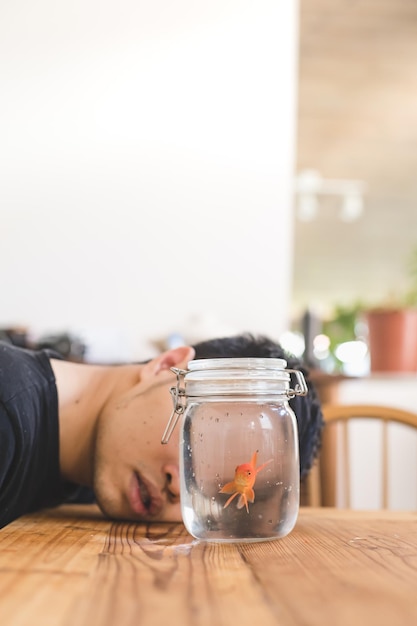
[[178, 400], [301, 388]]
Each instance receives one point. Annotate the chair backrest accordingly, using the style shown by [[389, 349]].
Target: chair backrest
[[329, 482]]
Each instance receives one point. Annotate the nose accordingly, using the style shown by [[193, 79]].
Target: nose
[[172, 477]]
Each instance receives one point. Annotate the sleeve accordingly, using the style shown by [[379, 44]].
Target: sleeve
[[7, 447]]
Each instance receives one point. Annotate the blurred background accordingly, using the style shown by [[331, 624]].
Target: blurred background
[[172, 171], [356, 217], [175, 171]]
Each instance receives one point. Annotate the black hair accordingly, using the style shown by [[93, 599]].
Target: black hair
[[307, 408]]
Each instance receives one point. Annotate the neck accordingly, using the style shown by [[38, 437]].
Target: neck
[[83, 392]]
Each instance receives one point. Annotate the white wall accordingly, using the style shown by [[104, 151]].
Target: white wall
[[146, 157]]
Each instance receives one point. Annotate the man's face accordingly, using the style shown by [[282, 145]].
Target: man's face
[[135, 476]]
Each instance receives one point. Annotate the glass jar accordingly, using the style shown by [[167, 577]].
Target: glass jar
[[239, 457]]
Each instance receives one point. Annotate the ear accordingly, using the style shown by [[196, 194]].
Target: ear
[[177, 357]]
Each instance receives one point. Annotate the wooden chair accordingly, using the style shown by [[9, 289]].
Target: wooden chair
[[329, 482]]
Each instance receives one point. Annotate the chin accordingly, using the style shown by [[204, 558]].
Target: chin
[[109, 502], [110, 509]]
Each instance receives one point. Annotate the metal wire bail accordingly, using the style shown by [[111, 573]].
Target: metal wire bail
[[301, 388], [178, 400]]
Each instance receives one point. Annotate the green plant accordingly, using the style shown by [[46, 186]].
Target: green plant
[[342, 327]]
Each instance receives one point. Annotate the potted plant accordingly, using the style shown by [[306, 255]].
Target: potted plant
[[392, 329]]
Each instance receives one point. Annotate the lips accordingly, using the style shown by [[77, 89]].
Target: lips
[[144, 498]]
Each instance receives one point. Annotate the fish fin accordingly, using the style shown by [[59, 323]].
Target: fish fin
[[250, 495], [228, 488], [258, 469], [230, 499], [253, 459], [243, 502]]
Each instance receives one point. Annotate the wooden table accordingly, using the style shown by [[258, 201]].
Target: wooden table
[[68, 566]]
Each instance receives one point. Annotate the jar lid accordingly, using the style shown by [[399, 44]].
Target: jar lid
[[236, 363], [236, 375]]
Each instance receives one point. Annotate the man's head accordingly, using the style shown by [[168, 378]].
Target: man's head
[[137, 477]]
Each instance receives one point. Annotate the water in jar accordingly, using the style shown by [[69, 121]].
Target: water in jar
[[224, 497]]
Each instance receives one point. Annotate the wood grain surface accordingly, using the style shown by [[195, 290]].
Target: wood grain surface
[[69, 566]]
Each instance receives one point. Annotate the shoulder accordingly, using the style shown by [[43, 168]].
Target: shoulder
[[7, 444], [28, 430], [21, 369]]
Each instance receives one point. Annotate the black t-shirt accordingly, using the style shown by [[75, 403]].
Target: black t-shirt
[[29, 433]]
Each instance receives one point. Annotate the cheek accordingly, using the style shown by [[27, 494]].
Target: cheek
[[152, 436], [156, 421], [119, 433], [137, 428]]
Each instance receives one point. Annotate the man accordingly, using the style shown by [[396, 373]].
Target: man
[[64, 425]]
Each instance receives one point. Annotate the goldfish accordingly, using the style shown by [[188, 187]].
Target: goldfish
[[243, 482]]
